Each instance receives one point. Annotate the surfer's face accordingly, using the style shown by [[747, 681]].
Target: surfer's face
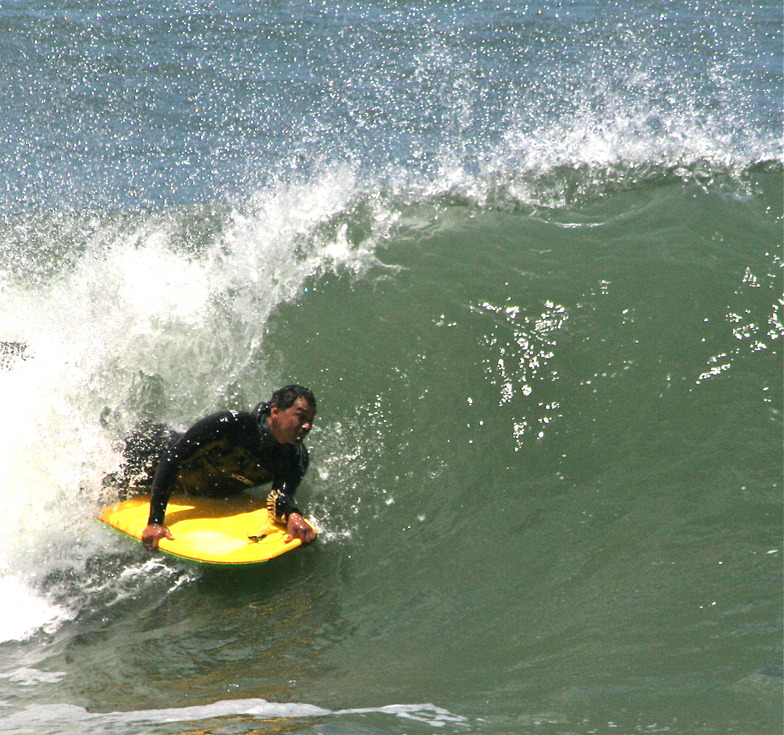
[[291, 425]]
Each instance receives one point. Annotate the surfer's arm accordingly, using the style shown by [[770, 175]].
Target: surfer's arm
[[223, 426], [183, 450], [298, 527], [286, 512], [159, 499], [283, 488], [162, 486], [284, 503], [152, 535]]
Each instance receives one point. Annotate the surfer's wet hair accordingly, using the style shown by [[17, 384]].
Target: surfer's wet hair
[[285, 397]]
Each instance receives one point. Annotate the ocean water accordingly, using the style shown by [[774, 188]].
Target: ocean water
[[528, 255]]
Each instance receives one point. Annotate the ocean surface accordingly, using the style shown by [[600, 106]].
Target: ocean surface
[[528, 256]]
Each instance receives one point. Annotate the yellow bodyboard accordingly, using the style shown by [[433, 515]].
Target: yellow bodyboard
[[207, 530]]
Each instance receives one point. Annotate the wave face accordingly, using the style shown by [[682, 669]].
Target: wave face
[[529, 259]]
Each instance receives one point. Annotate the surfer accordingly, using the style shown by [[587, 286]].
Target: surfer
[[227, 452]]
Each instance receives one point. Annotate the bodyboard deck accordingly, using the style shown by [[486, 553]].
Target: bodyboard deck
[[207, 530]]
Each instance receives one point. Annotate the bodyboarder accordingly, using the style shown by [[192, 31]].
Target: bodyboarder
[[228, 452]]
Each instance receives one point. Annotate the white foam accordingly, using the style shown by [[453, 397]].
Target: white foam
[[33, 677], [27, 611], [64, 718]]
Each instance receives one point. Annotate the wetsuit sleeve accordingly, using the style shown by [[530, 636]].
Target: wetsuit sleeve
[[284, 506], [162, 486], [222, 425], [285, 483]]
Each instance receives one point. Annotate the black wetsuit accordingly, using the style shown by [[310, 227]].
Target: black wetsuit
[[224, 454]]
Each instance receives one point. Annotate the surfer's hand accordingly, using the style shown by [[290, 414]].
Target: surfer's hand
[[153, 534], [299, 528]]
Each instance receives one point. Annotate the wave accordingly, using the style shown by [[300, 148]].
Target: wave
[[163, 315], [112, 317]]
